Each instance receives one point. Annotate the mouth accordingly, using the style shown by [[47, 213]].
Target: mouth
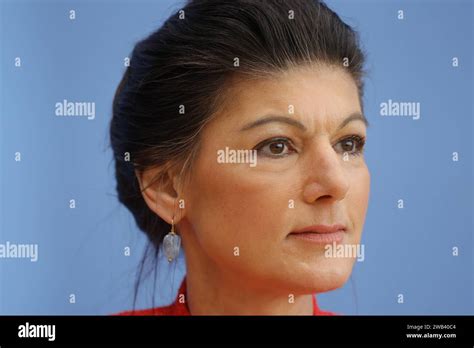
[[321, 234]]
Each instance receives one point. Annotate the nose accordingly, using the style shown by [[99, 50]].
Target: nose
[[326, 178]]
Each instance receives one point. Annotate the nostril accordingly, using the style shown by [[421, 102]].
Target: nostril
[[325, 196]]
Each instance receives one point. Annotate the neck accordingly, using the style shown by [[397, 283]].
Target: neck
[[215, 291]]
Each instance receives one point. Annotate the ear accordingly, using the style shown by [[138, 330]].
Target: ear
[[160, 195]]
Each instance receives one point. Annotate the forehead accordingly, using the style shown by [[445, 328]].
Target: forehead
[[322, 94]]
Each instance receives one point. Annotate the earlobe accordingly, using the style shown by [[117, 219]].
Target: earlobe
[[159, 193]]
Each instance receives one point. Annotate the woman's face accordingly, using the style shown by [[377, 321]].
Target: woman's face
[[309, 171]]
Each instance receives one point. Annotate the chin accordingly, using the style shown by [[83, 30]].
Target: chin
[[331, 283], [336, 278], [327, 277]]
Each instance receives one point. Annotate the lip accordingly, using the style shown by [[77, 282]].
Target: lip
[[321, 229], [321, 234]]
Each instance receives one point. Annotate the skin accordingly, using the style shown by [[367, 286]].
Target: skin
[[234, 205]]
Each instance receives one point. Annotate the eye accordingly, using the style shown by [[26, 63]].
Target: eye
[[353, 145], [275, 147]]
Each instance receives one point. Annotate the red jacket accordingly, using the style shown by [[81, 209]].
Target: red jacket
[[178, 308]]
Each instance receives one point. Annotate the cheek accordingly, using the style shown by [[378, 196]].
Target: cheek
[[358, 199], [236, 206]]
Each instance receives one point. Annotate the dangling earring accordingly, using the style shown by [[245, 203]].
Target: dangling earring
[[171, 243]]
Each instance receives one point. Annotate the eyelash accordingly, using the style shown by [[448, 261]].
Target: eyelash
[[360, 142], [277, 140], [359, 147]]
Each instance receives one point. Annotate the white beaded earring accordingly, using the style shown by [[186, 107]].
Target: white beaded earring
[[171, 244]]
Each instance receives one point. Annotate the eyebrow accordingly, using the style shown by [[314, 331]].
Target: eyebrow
[[292, 122]]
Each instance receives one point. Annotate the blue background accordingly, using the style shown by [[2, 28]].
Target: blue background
[[81, 251]]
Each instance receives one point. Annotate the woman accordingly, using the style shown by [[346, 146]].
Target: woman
[[238, 135]]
